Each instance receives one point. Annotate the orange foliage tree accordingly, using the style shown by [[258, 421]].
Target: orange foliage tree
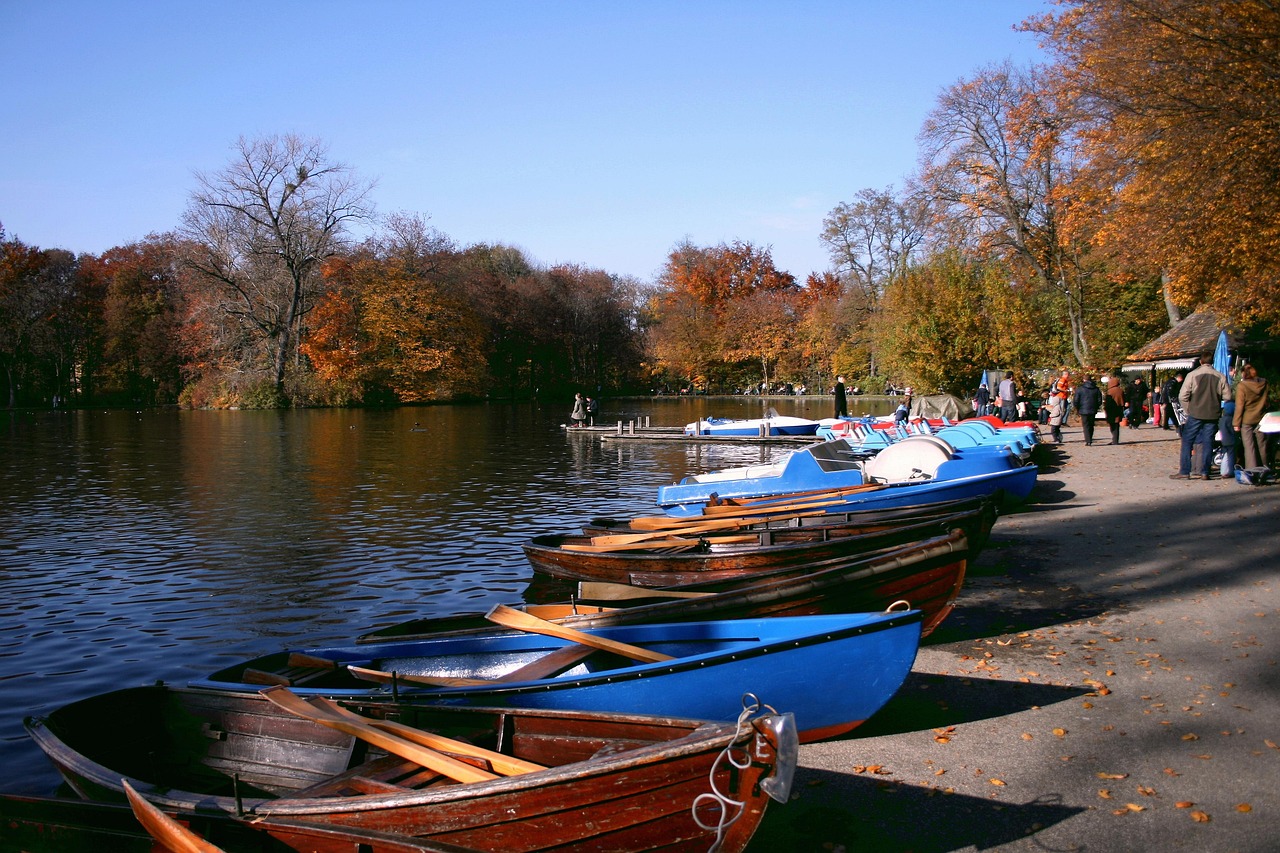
[[718, 307], [1180, 98]]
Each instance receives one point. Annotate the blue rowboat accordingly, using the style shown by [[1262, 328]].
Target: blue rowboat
[[863, 659], [919, 469]]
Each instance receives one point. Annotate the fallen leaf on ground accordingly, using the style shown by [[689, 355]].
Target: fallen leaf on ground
[[1244, 808], [998, 782], [1200, 817], [1113, 775], [1185, 804], [1105, 793]]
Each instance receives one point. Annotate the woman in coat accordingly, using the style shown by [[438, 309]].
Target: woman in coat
[[1057, 410], [1251, 405], [1113, 407]]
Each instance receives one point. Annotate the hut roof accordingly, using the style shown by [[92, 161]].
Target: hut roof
[[1197, 334]]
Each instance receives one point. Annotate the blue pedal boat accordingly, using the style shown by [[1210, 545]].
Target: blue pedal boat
[[919, 469], [832, 671]]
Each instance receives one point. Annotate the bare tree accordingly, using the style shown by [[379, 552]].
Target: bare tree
[[264, 225], [1001, 157]]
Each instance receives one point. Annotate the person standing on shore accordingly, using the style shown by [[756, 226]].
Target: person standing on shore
[[1137, 403], [1056, 407], [1062, 388], [1008, 395], [1201, 396], [1087, 401], [1251, 405], [982, 400], [1113, 407], [1169, 395], [842, 401]]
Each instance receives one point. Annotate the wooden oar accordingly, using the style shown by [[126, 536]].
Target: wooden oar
[[507, 765], [677, 525], [686, 530], [814, 494], [431, 759], [509, 617], [603, 591], [383, 677], [168, 832]]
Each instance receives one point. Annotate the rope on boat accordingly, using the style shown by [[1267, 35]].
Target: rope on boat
[[751, 705]]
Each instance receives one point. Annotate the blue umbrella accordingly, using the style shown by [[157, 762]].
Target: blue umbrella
[[1221, 360]]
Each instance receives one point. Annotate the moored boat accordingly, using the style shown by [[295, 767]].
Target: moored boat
[[676, 556], [509, 779], [916, 470], [64, 825], [773, 424], [928, 574], [686, 669]]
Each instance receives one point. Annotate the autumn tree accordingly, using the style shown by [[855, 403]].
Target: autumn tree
[[393, 320], [1000, 157], [141, 332], [262, 227], [1181, 100], [719, 306], [946, 319]]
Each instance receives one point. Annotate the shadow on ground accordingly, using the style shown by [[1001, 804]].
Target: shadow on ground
[[834, 811], [934, 701]]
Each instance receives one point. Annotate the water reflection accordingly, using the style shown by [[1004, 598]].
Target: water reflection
[[161, 545]]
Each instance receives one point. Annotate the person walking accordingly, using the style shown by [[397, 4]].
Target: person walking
[[1088, 399], [1251, 404], [1113, 407], [842, 401], [1201, 396], [1008, 396]]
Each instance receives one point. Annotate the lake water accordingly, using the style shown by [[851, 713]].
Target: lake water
[[137, 546]]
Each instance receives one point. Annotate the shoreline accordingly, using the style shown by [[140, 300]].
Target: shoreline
[[1108, 680]]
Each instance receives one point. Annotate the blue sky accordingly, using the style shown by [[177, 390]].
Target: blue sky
[[599, 133]]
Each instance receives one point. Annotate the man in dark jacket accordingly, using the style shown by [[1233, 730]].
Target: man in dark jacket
[[1088, 399], [1168, 396]]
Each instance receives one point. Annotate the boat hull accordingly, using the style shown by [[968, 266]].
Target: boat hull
[[612, 782], [927, 574], [713, 663], [62, 825], [774, 550]]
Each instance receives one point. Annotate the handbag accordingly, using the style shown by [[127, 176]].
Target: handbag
[[1259, 476]]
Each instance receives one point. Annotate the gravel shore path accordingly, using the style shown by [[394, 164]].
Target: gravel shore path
[[1108, 680]]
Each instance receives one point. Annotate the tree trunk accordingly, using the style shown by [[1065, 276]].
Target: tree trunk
[[1175, 316]]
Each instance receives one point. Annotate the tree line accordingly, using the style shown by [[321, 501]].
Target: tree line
[[1062, 215]]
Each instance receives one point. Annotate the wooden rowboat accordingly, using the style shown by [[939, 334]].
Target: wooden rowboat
[[593, 781], [928, 574], [687, 669], [63, 825], [665, 558]]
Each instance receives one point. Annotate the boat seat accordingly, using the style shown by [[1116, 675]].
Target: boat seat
[[914, 458], [388, 774]]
